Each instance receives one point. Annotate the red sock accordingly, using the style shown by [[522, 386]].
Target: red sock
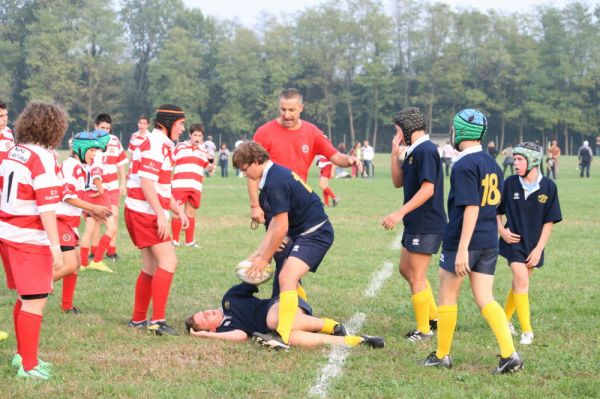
[[326, 197], [94, 249], [330, 192], [189, 232], [102, 245], [176, 227], [29, 337], [84, 252], [68, 290], [143, 293], [111, 250], [16, 311], [161, 283]]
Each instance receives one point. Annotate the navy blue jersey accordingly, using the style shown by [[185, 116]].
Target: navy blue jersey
[[284, 191], [476, 179], [243, 311], [527, 216], [424, 164]]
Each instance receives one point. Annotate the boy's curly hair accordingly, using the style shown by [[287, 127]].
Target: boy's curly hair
[[41, 123]]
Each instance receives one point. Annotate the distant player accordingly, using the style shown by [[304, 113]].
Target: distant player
[[6, 142], [530, 203], [418, 170], [69, 211], [147, 208], [29, 238], [243, 315], [294, 216], [325, 174], [191, 161], [470, 246], [138, 137]]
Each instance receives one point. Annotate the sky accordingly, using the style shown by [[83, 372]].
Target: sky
[[248, 11]]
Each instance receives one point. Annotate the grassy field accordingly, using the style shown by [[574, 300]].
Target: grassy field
[[96, 355]]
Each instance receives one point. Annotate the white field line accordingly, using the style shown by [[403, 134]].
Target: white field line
[[338, 354]]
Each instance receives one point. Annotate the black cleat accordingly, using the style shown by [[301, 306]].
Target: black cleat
[[339, 330], [91, 256], [433, 325], [336, 201], [137, 324], [509, 364], [416, 336], [112, 258], [373, 341], [433, 361], [271, 340], [161, 328], [74, 310]]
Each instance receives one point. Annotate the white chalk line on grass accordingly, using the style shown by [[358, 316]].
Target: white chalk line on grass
[[338, 354]]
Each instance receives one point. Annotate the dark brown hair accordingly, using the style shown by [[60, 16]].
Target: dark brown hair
[[249, 152], [41, 123], [290, 93], [197, 127]]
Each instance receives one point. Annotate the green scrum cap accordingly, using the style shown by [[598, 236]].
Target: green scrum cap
[[469, 124], [531, 152], [83, 141]]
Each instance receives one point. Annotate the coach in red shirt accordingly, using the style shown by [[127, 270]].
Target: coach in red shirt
[[293, 143]]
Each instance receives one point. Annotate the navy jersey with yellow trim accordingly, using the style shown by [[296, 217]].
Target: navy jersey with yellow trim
[[527, 216], [424, 164], [284, 191], [243, 311], [476, 179]]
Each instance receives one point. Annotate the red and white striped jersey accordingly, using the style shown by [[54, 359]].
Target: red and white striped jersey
[[152, 160], [190, 161], [135, 141], [6, 141], [72, 177], [112, 158], [323, 162], [30, 186], [94, 171]]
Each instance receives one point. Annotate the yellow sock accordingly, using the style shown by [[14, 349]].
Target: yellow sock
[[509, 307], [433, 310], [420, 302], [447, 315], [352, 340], [496, 318], [301, 292], [288, 307], [522, 305], [328, 325]]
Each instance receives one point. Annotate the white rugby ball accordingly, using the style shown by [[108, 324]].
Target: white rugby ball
[[243, 266]]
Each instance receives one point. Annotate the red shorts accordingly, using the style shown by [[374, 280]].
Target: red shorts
[[114, 196], [143, 229], [326, 172], [68, 237], [191, 196], [103, 200], [27, 272]]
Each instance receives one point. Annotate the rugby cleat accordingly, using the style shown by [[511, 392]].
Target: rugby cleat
[[112, 257], [433, 361], [17, 362], [175, 243], [271, 340], [433, 325], [526, 338], [100, 266], [339, 330], [336, 201], [137, 324], [161, 328], [192, 244], [372, 341], [416, 336], [509, 364], [36, 373], [74, 310]]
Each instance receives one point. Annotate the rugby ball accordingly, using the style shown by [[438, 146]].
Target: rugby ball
[[243, 266]]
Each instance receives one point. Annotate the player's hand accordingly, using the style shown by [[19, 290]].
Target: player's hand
[[100, 213], [534, 258], [283, 244], [509, 237], [163, 227], [257, 215], [57, 257], [461, 263], [391, 220], [398, 149], [96, 194], [185, 221], [258, 266]]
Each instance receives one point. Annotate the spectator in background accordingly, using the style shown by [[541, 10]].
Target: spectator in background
[[552, 162], [509, 160], [448, 154], [541, 149], [239, 142], [368, 154], [585, 158], [491, 149], [211, 148], [356, 151], [224, 160]]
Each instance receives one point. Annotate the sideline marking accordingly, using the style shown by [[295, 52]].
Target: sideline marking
[[338, 355]]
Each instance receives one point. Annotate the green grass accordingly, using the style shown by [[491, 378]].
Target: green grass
[[96, 355]]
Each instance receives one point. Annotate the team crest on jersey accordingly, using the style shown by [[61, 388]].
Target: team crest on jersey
[[227, 304], [305, 148], [20, 154], [410, 160], [542, 198], [516, 196]]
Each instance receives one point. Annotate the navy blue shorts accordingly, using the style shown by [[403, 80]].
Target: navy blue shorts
[[480, 260], [422, 243], [302, 304], [516, 253]]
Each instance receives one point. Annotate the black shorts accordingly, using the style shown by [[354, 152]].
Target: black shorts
[[480, 260], [422, 243], [513, 254], [302, 304], [311, 248]]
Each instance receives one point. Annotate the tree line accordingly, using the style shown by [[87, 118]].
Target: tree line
[[535, 75]]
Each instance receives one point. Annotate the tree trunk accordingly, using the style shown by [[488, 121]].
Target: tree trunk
[[502, 130], [566, 136], [89, 95], [350, 119], [375, 128], [328, 114]]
